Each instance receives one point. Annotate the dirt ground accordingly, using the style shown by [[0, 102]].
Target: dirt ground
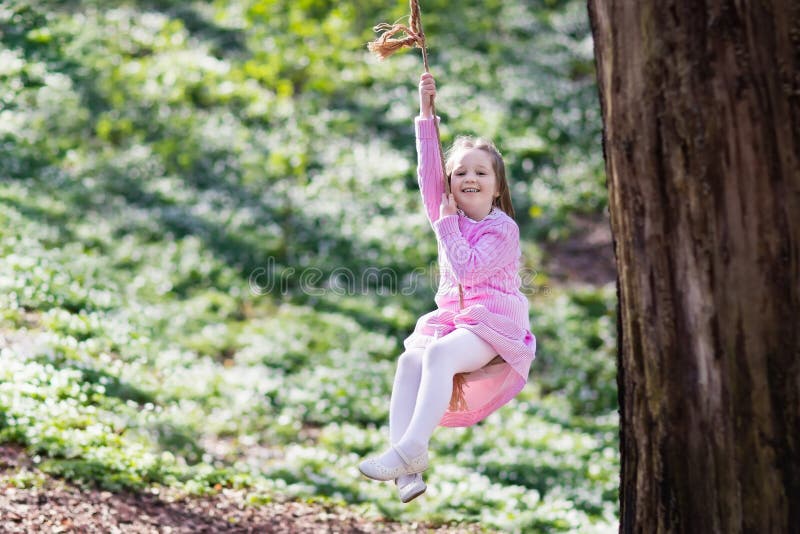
[[586, 257], [56, 506]]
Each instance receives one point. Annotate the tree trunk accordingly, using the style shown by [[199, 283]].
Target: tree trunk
[[701, 116]]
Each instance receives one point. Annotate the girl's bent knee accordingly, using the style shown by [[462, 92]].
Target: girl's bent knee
[[411, 360], [438, 357]]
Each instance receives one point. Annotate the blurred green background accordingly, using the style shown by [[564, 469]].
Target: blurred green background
[[158, 158]]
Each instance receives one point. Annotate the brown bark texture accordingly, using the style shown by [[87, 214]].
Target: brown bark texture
[[701, 138]]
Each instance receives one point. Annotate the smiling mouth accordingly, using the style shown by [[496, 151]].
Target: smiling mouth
[[470, 190]]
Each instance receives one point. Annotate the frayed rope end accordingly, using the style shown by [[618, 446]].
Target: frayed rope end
[[386, 45]]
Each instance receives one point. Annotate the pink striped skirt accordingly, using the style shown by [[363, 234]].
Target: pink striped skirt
[[493, 386]]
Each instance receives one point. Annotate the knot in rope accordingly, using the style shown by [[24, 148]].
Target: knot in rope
[[387, 44]]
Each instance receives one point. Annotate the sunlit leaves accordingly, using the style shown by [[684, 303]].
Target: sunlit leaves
[[153, 155]]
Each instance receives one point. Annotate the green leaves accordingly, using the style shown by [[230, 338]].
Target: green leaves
[[154, 156]]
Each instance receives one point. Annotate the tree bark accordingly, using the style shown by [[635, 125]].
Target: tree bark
[[701, 138]]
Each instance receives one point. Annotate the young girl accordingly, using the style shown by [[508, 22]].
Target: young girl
[[479, 254]]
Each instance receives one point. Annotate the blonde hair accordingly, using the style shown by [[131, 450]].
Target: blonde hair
[[465, 142]]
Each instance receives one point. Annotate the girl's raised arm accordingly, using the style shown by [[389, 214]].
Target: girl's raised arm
[[429, 163]]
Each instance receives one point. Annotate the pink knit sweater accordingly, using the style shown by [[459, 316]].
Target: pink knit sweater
[[484, 257]]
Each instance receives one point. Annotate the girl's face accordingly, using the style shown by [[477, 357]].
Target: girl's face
[[473, 182]]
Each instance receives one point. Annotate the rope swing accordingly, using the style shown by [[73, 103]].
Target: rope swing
[[384, 46]]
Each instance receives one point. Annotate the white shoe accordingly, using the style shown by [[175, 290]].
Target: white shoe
[[374, 469], [413, 489]]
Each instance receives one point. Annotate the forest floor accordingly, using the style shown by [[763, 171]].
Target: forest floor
[[586, 256], [52, 505]]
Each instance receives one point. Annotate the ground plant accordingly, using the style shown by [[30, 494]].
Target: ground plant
[[184, 186]]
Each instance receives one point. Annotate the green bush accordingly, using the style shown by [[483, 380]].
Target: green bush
[[155, 156]]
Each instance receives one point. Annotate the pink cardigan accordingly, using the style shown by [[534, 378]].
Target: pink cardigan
[[484, 257]]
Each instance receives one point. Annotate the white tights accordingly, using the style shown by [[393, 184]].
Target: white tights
[[423, 384]]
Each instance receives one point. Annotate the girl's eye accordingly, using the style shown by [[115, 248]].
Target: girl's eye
[[482, 173]]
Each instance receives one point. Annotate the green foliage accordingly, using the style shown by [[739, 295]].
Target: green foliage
[[24, 478], [154, 156], [579, 329]]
